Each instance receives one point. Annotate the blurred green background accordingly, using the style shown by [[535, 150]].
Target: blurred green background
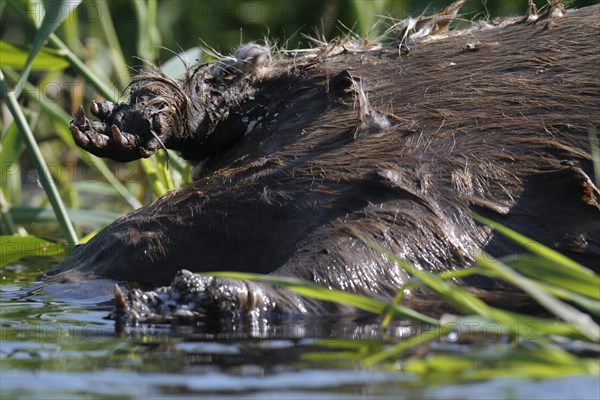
[[182, 24]]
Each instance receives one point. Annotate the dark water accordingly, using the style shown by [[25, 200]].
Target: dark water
[[58, 344]]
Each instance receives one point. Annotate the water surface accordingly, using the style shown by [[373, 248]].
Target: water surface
[[58, 344]]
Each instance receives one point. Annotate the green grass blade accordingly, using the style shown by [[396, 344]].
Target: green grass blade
[[56, 12], [413, 284], [531, 327], [396, 350], [456, 295], [114, 46], [466, 302], [109, 93], [591, 305], [544, 270], [74, 61], [539, 249], [34, 151], [7, 225], [163, 169], [318, 292], [542, 362], [25, 215], [582, 321], [15, 56], [100, 188], [342, 350], [369, 12], [71, 29], [11, 147], [154, 177], [14, 248], [148, 34], [595, 146]]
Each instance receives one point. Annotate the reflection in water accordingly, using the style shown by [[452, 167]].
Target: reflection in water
[[56, 342]]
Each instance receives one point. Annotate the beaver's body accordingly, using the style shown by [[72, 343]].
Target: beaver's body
[[304, 154]]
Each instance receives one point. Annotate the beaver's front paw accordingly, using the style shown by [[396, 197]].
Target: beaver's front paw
[[123, 133]]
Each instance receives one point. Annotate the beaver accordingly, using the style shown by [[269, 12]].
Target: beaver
[[297, 156]]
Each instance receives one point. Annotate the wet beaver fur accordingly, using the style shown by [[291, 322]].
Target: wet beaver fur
[[301, 153]]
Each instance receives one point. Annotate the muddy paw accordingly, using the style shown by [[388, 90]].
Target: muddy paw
[[122, 133]]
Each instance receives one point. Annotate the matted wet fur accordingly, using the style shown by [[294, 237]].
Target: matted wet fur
[[300, 154]]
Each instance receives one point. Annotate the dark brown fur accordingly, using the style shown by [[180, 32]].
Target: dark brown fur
[[397, 148]]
